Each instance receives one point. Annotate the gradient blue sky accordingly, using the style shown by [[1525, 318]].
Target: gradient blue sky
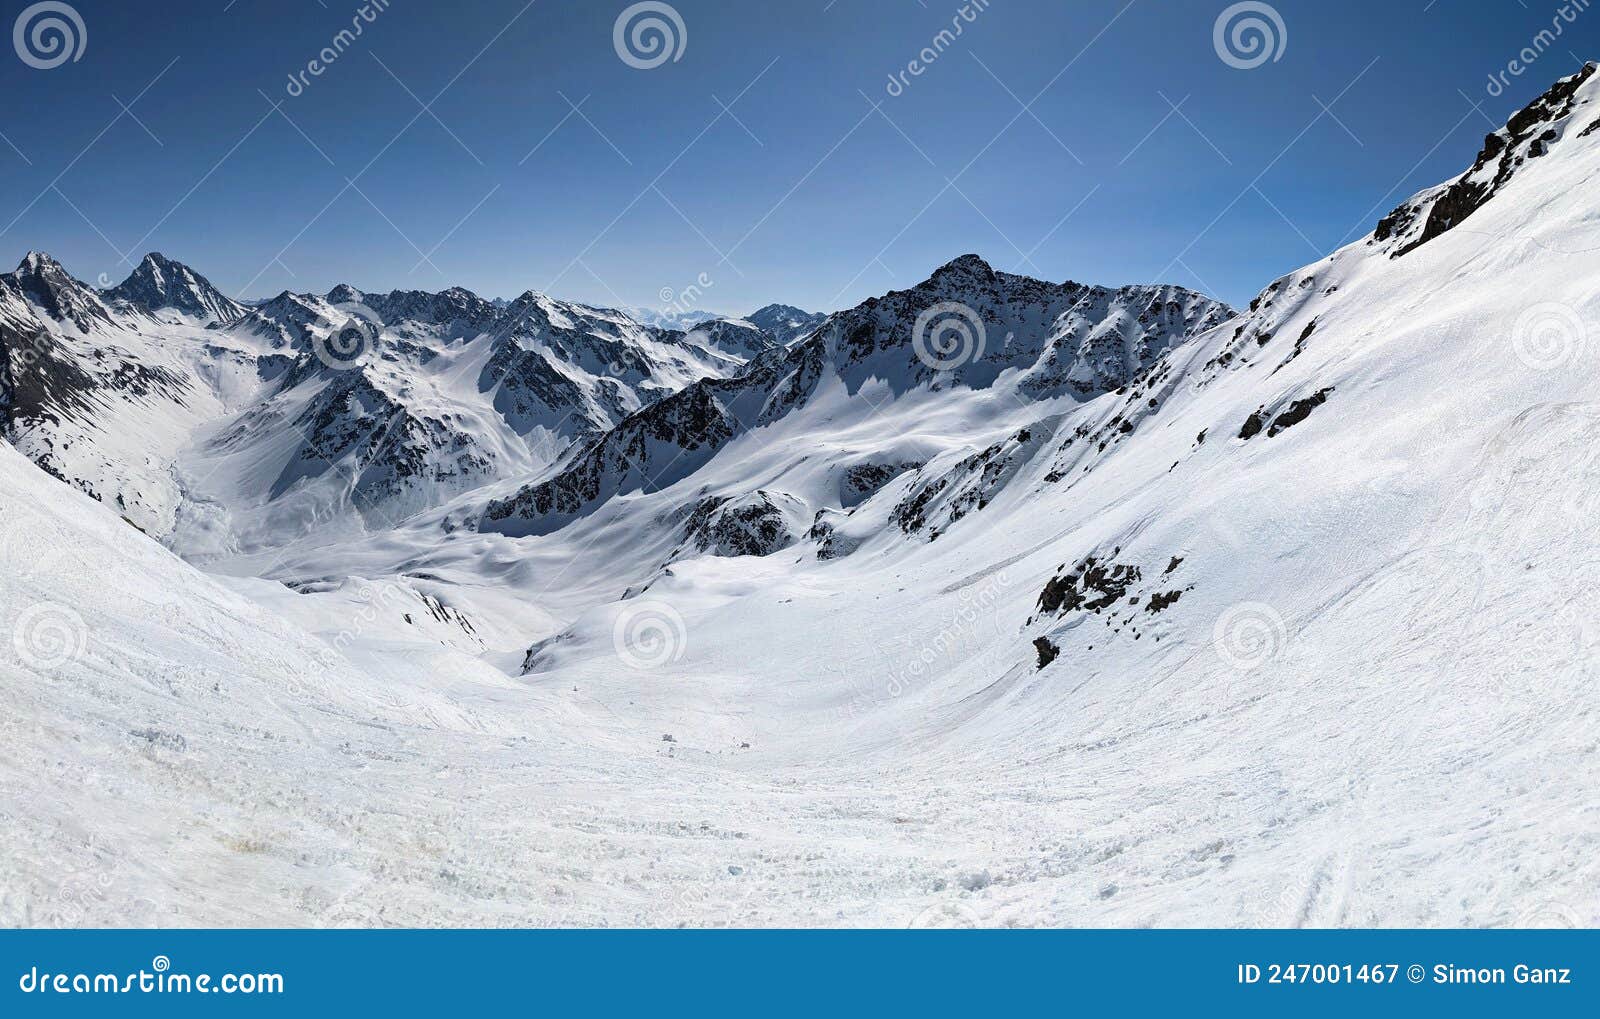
[[808, 197]]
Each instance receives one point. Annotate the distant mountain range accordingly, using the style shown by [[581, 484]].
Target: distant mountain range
[[169, 400]]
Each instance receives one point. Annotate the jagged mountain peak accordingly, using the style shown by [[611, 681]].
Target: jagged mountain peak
[[157, 260], [1038, 340], [62, 296], [735, 337], [964, 269], [37, 261], [159, 283], [786, 323], [969, 323], [775, 309], [344, 293]]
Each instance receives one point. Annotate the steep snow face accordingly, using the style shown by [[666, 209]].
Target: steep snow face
[[142, 697], [160, 284], [978, 336]]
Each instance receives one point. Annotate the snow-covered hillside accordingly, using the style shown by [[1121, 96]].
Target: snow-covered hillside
[[991, 601]]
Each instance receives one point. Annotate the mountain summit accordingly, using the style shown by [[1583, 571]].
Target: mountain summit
[[158, 283], [62, 296]]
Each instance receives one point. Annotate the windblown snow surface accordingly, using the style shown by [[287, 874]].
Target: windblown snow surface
[[1292, 623]]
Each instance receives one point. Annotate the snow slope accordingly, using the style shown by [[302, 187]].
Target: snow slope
[[1287, 620]]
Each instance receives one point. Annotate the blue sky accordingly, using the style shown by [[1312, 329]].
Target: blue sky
[[796, 190]]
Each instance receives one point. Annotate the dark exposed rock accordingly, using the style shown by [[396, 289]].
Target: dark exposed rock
[[1162, 600], [758, 524], [1298, 411], [862, 481], [1527, 135], [1048, 652], [1091, 586]]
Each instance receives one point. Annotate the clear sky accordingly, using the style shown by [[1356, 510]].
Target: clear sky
[[756, 159]]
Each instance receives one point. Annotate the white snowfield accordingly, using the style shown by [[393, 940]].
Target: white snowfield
[[1296, 628]]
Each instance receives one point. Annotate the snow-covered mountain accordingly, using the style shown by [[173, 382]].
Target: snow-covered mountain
[[1015, 339], [228, 430], [785, 322], [991, 601], [670, 318], [160, 284], [95, 396]]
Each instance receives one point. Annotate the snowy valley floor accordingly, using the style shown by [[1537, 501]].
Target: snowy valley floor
[[198, 765]]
